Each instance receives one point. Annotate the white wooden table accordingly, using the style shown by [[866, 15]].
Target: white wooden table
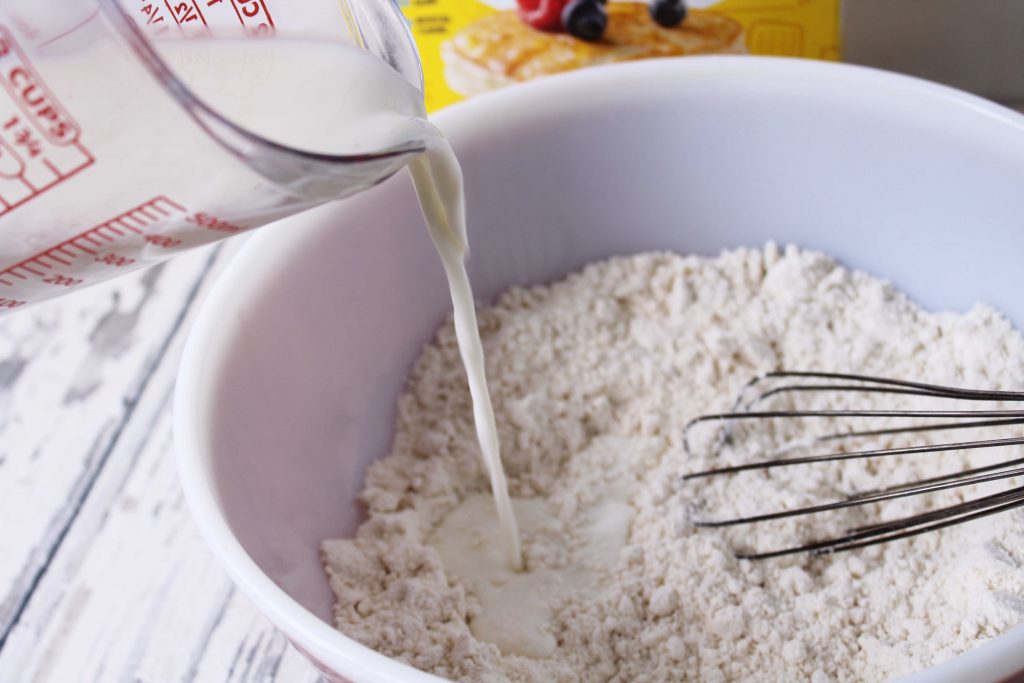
[[103, 575]]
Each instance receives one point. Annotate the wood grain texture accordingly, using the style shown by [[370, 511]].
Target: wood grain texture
[[76, 367], [103, 575]]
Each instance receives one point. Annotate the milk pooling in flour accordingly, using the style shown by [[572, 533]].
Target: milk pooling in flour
[[438, 181], [362, 106]]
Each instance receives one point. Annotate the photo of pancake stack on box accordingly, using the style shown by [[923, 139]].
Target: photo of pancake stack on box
[[471, 47]]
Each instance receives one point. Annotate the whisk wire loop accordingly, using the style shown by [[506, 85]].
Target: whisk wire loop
[[755, 393]]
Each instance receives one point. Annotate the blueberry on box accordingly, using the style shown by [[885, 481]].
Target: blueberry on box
[[668, 13], [585, 19]]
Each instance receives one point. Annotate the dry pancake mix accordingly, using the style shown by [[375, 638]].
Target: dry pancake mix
[[592, 379]]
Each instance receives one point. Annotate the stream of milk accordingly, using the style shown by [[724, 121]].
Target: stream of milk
[[353, 103]]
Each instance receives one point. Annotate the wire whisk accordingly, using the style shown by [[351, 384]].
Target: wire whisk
[[748, 409]]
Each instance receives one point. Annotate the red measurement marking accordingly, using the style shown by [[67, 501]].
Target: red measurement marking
[[29, 91], [153, 15], [158, 208], [205, 220], [10, 303], [147, 214], [11, 165], [40, 142], [41, 110], [75, 247], [114, 260], [127, 226], [56, 258], [185, 12], [63, 280], [193, 17], [162, 241], [254, 16]]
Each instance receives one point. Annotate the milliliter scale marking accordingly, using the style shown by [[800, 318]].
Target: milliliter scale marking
[[96, 245]]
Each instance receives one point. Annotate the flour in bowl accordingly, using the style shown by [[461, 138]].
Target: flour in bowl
[[592, 380]]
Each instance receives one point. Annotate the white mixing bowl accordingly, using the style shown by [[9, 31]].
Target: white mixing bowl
[[288, 385]]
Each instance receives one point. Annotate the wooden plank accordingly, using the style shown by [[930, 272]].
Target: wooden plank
[[132, 593], [71, 371], [245, 649]]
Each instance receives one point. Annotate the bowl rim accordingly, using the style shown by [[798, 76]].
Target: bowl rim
[[318, 639]]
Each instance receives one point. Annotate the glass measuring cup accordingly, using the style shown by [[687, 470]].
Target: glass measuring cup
[[109, 161]]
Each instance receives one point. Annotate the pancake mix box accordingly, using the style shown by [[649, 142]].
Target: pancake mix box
[[470, 46]]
